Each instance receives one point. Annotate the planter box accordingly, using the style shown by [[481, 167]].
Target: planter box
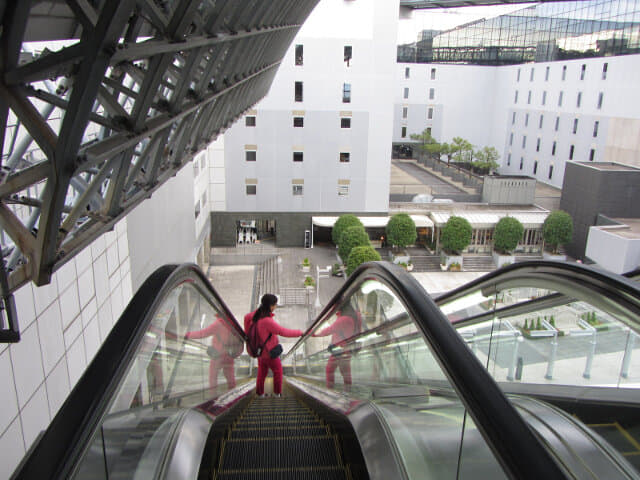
[[499, 259], [306, 269], [400, 258], [553, 256]]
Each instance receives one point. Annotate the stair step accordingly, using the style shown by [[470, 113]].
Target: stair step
[[279, 431], [280, 453], [307, 473]]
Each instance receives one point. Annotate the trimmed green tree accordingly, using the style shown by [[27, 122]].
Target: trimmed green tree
[[401, 230], [456, 235], [352, 237], [360, 255], [344, 221], [507, 234], [557, 229]]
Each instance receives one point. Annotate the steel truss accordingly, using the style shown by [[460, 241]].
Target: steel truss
[[92, 128]]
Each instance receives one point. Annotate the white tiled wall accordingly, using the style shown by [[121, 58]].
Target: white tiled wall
[[62, 326]]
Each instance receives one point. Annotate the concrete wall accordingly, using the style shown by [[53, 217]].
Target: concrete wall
[[509, 190], [612, 251]]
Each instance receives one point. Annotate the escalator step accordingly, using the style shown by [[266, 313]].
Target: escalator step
[[315, 473], [279, 431], [278, 420], [280, 453]]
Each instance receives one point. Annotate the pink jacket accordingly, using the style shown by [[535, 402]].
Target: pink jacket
[[219, 333], [343, 328], [267, 325]]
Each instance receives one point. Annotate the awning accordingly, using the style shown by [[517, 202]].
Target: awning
[[489, 220], [421, 221]]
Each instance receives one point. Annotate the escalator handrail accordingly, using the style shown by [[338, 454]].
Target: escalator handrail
[[53, 454], [514, 445]]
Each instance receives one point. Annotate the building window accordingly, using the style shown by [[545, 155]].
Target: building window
[[564, 72], [298, 92], [513, 118], [540, 121], [432, 93], [579, 100], [433, 74], [571, 150], [346, 93], [345, 123], [429, 131], [348, 53], [405, 110], [550, 171], [298, 156], [403, 133], [575, 125], [529, 98], [560, 99], [521, 162], [297, 190], [299, 55], [511, 138], [553, 149], [526, 120], [250, 155], [250, 121], [345, 157], [343, 190], [538, 145], [298, 121], [407, 71], [583, 70], [524, 141], [535, 167], [546, 74], [531, 74], [430, 113], [592, 154], [509, 160], [544, 97], [515, 98], [605, 66], [251, 189], [600, 98], [557, 126], [595, 128], [518, 77], [406, 93]]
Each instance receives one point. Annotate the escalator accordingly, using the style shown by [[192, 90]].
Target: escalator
[[401, 396]]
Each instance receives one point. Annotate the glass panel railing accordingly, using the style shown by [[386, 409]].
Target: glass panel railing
[[370, 346], [189, 354]]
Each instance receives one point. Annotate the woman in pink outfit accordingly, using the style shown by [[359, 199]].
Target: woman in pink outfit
[[268, 331]]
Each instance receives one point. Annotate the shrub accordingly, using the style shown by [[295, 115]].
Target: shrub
[[557, 229], [345, 221], [454, 267], [309, 281], [352, 237], [507, 234], [401, 230], [360, 255], [306, 262], [456, 234]]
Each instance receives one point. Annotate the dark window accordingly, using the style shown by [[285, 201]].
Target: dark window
[[407, 72], [511, 138], [550, 171], [604, 70], [403, 134], [557, 126], [592, 154], [553, 148], [406, 92], [600, 98], [546, 74], [432, 93], [430, 113], [429, 130], [250, 121], [345, 157], [299, 55], [526, 120], [575, 125], [579, 100], [518, 77], [538, 145], [544, 97], [250, 155], [346, 93], [251, 189], [524, 141], [535, 167], [564, 72], [595, 128], [515, 98], [571, 149], [433, 74], [531, 75], [298, 92], [345, 123], [405, 111], [529, 97], [521, 162], [508, 160], [560, 99], [298, 156], [298, 190], [513, 118], [348, 53], [298, 121], [583, 70], [540, 122]]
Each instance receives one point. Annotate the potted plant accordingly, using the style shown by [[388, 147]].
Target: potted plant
[[456, 236], [361, 255], [454, 267], [306, 265], [344, 221], [352, 237], [401, 232], [336, 270], [557, 230], [506, 236], [309, 282]]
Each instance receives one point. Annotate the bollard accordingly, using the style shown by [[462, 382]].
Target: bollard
[[626, 360], [519, 368]]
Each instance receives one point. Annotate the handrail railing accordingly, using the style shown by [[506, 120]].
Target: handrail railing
[[70, 431], [518, 450]]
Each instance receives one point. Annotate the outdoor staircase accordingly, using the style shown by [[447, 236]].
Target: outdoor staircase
[[426, 263], [526, 257], [281, 438], [478, 263], [266, 279]]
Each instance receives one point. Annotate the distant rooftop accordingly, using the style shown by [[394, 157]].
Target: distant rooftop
[[618, 167], [628, 228]]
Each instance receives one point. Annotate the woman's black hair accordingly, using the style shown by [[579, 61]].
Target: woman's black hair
[[346, 309], [264, 310]]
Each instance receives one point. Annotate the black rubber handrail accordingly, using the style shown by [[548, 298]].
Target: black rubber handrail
[[515, 446], [55, 452]]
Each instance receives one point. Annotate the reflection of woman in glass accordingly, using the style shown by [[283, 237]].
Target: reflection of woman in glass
[[347, 324], [221, 351]]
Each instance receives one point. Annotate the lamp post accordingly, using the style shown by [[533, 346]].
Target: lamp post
[[320, 273]]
